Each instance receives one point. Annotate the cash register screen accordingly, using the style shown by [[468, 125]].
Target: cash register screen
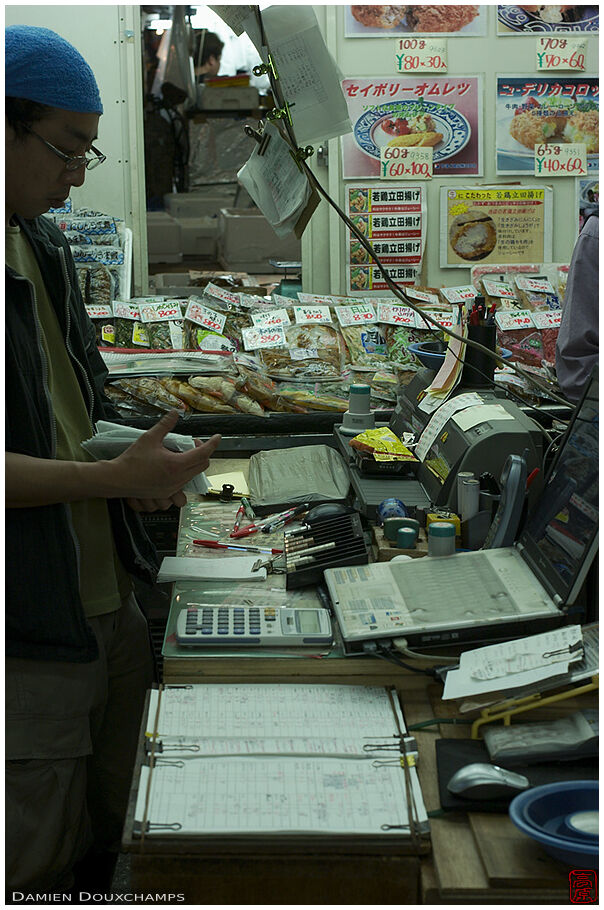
[[560, 534]]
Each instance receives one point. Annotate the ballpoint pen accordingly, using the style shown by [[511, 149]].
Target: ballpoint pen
[[214, 545], [280, 520], [238, 517]]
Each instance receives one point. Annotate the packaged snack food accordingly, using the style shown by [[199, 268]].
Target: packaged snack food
[[151, 392], [312, 351], [129, 406], [163, 323], [195, 399], [96, 285], [129, 329], [225, 390], [398, 339]]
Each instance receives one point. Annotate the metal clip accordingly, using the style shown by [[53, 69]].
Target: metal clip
[[261, 138], [301, 155], [281, 113]]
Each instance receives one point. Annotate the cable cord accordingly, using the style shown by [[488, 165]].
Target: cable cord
[[290, 137]]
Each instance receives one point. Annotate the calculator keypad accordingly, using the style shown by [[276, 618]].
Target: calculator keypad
[[228, 622]]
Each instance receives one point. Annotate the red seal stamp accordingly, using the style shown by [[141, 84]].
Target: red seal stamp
[[583, 886]]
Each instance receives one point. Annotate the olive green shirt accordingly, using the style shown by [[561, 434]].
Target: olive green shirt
[[103, 580]]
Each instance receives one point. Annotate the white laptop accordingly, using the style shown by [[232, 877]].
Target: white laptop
[[494, 593]]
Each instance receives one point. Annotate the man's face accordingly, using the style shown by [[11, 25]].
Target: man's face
[[35, 177], [213, 65]]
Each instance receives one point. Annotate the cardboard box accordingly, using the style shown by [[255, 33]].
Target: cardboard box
[[163, 238], [198, 236], [246, 241], [200, 203]]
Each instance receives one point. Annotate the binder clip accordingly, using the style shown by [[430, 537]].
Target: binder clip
[[262, 139]]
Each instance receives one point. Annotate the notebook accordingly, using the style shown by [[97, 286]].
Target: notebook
[[489, 593], [271, 761]]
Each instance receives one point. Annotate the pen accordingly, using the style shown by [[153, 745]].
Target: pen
[[249, 512], [238, 517], [214, 545], [282, 519]]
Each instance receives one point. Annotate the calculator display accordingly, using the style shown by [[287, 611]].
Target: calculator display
[[308, 621]]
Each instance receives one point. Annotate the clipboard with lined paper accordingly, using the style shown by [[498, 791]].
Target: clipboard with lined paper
[[289, 761]]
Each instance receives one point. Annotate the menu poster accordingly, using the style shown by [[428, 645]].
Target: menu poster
[[443, 112], [534, 109], [497, 223], [588, 198], [393, 218], [385, 21], [546, 19]]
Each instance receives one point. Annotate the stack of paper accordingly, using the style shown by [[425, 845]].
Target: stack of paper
[[111, 439]]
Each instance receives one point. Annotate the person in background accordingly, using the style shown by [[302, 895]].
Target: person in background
[[577, 348], [208, 51], [78, 653]]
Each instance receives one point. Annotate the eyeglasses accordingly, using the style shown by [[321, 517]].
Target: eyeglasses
[[72, 162]]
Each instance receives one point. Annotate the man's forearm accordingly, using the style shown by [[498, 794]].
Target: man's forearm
[[45, 481]]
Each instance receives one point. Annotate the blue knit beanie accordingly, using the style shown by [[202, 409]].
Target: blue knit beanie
[[41, 66]]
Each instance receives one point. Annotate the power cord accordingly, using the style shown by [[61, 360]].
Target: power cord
[[401, 645], [288, 135], [386, 652]]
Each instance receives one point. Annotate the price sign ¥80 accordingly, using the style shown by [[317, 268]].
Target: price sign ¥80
[[568, 159], [561, 53], [401, 163], [421, 55]]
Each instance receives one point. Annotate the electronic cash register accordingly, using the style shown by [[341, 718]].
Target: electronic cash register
[[483, 447]]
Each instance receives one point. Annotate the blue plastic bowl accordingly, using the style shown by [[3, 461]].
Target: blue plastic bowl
[[543, 812], [431, 354]]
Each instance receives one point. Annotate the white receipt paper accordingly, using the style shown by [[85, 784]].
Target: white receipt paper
[[224, 568], [111, 439]]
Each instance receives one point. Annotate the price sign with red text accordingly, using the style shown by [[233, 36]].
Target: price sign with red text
[[498, 289], [547, 319], [519, 319], [446, 320], [124, 310], [459, 294], [263, 336], [99, 310], [422, 296], [221, 294], [356, 315], [421, 55], [536, 285], [160, 312], [554, 159], [399, 163], [316, 314], [561, 53], [394, 314], [271, 317], [203, 315]]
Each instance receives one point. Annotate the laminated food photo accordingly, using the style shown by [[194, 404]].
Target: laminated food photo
[[426, 19]]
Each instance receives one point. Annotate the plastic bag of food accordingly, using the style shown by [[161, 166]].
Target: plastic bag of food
[[162, 318], [101, 317], [398, 339], [319, 396], [525, 344], [259, 387], [204, 327], [195, 399], [152, 392], [96, 285], [129, 406], [129, 329], [312, 351], [225, 390]]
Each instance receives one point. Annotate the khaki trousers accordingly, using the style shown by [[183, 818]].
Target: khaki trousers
[[71, 739]]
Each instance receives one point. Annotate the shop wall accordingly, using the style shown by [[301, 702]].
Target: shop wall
[[109, 39], [324, 265]]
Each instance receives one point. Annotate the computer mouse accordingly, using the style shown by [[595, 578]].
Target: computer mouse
[[326, 510], [480, 780]]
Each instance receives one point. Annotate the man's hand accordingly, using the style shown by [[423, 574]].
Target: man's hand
[[154, 474]]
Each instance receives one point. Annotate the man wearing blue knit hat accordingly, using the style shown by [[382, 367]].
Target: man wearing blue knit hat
[[78, 656]]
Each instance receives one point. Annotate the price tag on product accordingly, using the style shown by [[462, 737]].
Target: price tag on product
[[221, 294], [315, 299], [312, 314], [395, 314], [422, 296], [446, 320], [421, 55], [304, 353], [399, 163], [99, 310], [536, 285], [203, 315], [160, 312], [259, 336], [122, 310], [554, 159], [355, 315], [547, 319], [518, 319], [561, 53], [498, 289], [272, 317], [459, 294]]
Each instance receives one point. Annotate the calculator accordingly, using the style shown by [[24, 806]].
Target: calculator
[[247, 626]]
